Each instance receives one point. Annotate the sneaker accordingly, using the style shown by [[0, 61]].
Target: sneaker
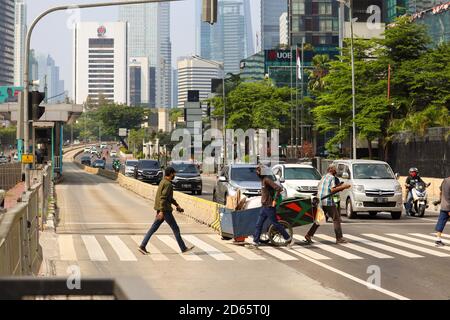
[[341, 241], [143, 250], [188, 249], [439, 243], [308, 239]]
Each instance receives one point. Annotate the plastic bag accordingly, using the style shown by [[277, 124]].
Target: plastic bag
[[319, 218]]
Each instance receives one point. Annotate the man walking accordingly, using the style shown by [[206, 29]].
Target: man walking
[[444, 214], [163, 206], [270, 191], [326, 187]]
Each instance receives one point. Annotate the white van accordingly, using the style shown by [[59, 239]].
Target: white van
[[374, 188]]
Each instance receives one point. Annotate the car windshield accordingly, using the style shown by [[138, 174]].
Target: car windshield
[[245, 174], [131, 163], [148, 164], [185, 168], [302, 174], [372, 171]]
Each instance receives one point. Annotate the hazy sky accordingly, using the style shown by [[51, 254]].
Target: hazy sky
[[53, 34]]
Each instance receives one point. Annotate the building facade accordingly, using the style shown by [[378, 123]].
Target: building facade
[[437, 21], [284, 29], [149, 36], [229, 40], [20, 30], [100, 62], [139, 81], [252, 68], [196, 74], [271, 11], [174, 88], [420, 5], [51, 79], [7, 20]]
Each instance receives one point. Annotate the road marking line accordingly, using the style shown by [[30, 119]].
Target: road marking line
[[300, 251], [121, 248], [383, 246], [171, 243], [155, 254], [93, 248], [242, 251], [277, 253], [355, 279], [408, 245], [332, 249], [67, 248], [355, 247], [424, 242], [210, 250]]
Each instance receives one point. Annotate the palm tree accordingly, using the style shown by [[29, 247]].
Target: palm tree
[[321, 63]]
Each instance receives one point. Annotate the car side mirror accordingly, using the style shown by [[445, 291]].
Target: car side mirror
[[201, 171], [345, 175], [222, 179], [282, 180], [397, 176]]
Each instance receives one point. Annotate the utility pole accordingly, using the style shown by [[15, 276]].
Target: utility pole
[[302, 94]]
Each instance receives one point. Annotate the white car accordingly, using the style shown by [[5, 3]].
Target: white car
[[3, 159], [93, 150], [113, 153], [297, 179], [130, 166], [103, 146], [87, 149]]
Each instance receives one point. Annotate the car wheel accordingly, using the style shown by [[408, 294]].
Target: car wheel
[[373, 213], [193, 192], [396, 215], [199, 192], [349, 210]]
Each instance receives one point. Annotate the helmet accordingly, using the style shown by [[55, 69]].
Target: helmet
[[411, 170]]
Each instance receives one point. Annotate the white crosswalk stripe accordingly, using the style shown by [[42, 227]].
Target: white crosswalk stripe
[[424, 242], [242, 251], [66, 248], [407, 245], [121, 248], [210, 250], [301, 251], [93, 248], [445, 236], [383, 246], [433, 238], [332, 249], [355, 247], [171, 243], [155, 254], [278, 253]]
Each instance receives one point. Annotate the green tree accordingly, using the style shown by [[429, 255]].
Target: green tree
[[321, 64]]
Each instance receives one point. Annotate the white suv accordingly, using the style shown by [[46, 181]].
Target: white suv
[[374, 188], [298, 179]]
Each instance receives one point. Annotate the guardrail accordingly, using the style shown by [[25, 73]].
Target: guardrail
[[10, 175], [20, 252], [43, 178], [26, 288]]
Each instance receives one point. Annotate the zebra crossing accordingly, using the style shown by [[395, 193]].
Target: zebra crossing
[[112, 248]]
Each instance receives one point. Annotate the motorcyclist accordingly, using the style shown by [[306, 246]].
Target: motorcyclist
[[412, 180]]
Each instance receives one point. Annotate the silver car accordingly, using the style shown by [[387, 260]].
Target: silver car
[[234, 177], [374, 188], [130, 167]]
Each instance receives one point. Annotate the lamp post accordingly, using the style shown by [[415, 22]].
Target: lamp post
[[348, 3], [23, 114]]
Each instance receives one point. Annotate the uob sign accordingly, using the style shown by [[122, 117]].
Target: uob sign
[[278, 55]]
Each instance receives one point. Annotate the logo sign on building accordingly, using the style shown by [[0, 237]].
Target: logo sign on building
[[278, 55], [9, 94], [122, 132], [101, 31]]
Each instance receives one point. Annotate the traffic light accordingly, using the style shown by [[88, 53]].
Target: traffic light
[[35, 111], [209, 12]]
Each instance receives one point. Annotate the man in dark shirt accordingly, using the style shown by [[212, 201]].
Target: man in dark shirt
[[163, 206], [411, 181], [270, 191]]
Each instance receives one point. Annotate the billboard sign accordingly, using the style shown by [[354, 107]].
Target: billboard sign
[[9, 94]]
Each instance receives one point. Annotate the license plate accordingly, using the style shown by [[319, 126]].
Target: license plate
[[380, 200], [185, 185]]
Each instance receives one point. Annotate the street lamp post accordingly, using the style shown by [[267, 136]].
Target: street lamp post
[[23, 114], [348, 3]]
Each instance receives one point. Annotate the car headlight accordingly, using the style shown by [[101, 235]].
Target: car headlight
[[358, 188], [398, 188]]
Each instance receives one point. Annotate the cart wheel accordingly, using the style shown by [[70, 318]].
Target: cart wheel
[[264, 238], [276, 238]]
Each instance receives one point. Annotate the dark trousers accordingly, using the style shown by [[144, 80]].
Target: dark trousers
[[268, 213], [332, 212], [170, 219]]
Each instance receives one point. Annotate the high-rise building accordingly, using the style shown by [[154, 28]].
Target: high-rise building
[[271, 11], [175, 88], [420, 5], [20, 30], [149, 36], [395, 8], [196, 74], [7, 20], [437, 21], [100, 62], [139, 76], [229, 40], [284, 29], [51, 78]]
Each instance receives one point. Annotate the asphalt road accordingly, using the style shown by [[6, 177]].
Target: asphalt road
[[101, 225]]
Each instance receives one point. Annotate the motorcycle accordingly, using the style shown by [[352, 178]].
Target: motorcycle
[[116, 165], [420, 199]]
